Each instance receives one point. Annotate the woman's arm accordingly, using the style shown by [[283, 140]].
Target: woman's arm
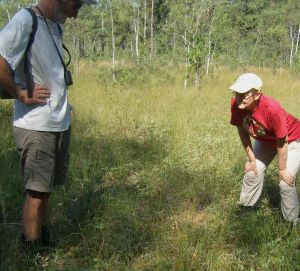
[[282, 151], [246, 142]]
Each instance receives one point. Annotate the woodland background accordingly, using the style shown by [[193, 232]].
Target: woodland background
[[197, 33]]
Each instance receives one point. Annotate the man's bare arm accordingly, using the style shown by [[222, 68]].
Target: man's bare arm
[[40, 93]]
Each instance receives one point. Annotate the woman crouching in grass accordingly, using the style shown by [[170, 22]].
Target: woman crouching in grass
[[276, 132]]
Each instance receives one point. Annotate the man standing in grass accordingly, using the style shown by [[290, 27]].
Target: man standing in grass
[[41, 120], [275, 132]]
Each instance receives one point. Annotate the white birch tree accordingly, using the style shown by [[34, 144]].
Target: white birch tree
[[113, 44], [136, 22]]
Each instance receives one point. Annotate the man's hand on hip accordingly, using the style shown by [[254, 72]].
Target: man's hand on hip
[[40, 95]]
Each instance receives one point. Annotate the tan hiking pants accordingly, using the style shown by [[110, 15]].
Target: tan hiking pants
[[253, 185]]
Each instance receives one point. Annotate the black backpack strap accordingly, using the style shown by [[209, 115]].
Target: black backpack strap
[[29, 79], [59, 29], [34, 28], [64, 46]]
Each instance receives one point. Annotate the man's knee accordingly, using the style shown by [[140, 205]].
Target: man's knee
[[36, 198]]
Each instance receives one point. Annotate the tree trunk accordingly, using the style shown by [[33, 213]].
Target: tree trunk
[[209, 47], [81, 48], [152, 22], [102, 41], [187, 48], [187, 64], [174, 39], [102, 22], [197, 75], [292, 46], [8, 14], [137, 29], [208, 57], [145, 21], [112, 41], [74, 44], [297, 43], [75, 52], [131, 50]]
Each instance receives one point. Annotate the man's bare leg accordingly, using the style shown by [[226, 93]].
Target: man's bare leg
[[34, 214]]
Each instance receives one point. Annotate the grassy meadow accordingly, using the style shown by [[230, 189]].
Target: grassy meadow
[[155, 176]]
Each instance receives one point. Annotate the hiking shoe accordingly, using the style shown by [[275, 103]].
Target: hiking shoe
[[30, 246], [45, 236]]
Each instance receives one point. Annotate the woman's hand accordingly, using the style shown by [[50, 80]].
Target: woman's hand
[[287, 177], [250, 166]]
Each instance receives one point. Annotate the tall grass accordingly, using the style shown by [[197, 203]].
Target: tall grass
[[155, 175]]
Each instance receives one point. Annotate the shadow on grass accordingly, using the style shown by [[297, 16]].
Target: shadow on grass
[[121, 190], [11, 191], [105, 209], [111, 205], [11, 203], [11, 184]]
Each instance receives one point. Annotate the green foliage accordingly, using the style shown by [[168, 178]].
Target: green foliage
[[235, 33], [198, 53], [8, 8]]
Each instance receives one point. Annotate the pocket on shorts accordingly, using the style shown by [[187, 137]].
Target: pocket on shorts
[[46, 164], [39, 170]]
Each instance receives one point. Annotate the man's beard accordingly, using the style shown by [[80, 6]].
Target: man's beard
[[59, 16]]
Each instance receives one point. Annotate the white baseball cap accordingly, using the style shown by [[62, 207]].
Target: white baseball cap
[[246, 82]]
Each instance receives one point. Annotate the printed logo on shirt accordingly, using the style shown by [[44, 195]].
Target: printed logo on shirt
[[253, 127]]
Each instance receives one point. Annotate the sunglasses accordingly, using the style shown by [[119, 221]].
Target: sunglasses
[[243, 96]]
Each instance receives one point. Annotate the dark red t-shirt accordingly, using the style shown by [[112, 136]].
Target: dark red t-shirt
[[268, 122]]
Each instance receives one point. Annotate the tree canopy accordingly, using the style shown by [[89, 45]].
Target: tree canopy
[[198, 33]]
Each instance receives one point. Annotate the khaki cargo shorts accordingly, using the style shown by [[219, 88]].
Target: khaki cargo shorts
[[44, 158]]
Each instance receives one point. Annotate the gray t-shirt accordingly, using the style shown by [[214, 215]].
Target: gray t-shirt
[[46, 69]]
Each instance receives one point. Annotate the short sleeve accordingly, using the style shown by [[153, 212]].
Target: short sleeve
[[14, 38], [278, 123]]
